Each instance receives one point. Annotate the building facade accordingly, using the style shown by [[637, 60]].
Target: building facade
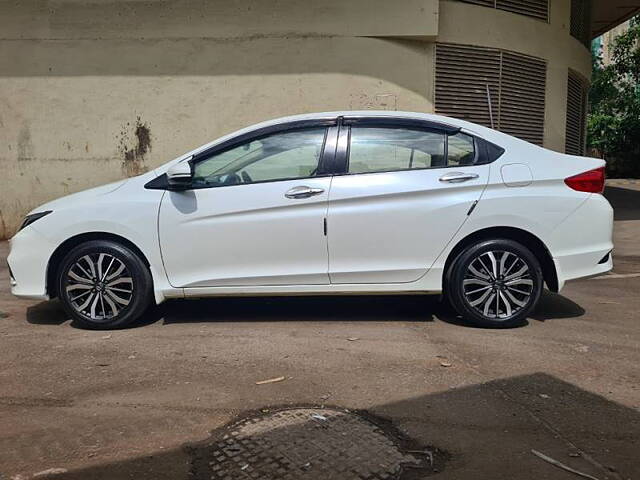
[[604, 43], [93, 91]]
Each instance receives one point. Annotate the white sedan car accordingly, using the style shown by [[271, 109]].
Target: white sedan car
[[327, 203]]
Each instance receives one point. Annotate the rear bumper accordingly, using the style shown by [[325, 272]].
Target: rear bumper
[[583, 265], [581, 243], [28, 259]]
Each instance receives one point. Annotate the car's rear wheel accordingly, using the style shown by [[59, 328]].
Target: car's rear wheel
[[495, 283], [103, 284]]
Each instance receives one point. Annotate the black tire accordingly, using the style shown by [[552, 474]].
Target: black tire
[[467, 281], [109, 310]]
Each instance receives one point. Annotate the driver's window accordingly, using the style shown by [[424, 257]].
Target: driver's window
[[281, 156]]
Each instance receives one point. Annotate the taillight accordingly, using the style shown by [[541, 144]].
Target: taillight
[[591, 181]]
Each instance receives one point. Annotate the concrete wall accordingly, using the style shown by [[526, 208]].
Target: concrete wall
[[91, 91], [94, 90], [476, 25]]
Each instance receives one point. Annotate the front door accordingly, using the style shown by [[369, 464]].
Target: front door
[[254, 217], [404, 194]]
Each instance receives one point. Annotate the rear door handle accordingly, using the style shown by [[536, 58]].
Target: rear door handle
[[457, 177], [303, 192]]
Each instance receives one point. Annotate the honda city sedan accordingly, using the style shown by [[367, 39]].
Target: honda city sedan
[[329, 203]]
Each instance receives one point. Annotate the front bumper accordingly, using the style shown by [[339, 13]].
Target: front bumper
[[28, 258]]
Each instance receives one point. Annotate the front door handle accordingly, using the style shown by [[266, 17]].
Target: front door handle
[[303, 192], [457, 177]]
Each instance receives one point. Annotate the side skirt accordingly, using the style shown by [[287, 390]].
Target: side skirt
[[299, 290]]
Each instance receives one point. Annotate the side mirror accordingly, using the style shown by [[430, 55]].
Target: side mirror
[[180, 176]]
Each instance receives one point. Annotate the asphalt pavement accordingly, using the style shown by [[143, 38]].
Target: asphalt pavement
[[156, 400]]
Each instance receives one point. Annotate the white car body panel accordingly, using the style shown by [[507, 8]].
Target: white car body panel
[[130, 212], [389, 227], [387, 232], [245, 235]]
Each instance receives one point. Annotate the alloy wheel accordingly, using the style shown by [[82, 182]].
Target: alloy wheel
[[99, 286], [498, 284]]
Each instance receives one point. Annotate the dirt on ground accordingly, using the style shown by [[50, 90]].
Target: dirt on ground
[[147, 401]]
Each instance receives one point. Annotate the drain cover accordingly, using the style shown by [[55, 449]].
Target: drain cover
[[304, 443]]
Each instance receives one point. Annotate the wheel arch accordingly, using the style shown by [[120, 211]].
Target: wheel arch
[[529, 240], [72, 242]]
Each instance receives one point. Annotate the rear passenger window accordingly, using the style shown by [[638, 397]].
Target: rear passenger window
[[460, 150], [376, 149]]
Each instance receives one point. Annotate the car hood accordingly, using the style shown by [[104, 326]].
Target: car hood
[[80, 196]]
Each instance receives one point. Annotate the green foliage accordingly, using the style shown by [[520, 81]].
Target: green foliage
[[613, 124]]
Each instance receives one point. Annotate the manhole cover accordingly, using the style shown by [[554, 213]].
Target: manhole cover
[[306, 443]]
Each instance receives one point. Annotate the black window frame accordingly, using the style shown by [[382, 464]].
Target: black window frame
[[334, 156], [485, 151], [325, 161]]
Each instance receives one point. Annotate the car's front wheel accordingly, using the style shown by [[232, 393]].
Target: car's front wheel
[[495, 283], [103, 284]]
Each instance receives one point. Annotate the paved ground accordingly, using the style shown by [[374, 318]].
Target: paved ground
[[123, 404]]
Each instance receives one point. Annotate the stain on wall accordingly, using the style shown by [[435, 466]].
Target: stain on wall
[[134, 142], [4, 233], [25, 146]]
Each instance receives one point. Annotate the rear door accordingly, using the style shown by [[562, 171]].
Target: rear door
[[406, 189]]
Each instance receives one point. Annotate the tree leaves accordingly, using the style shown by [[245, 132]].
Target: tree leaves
[[613, 124]]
